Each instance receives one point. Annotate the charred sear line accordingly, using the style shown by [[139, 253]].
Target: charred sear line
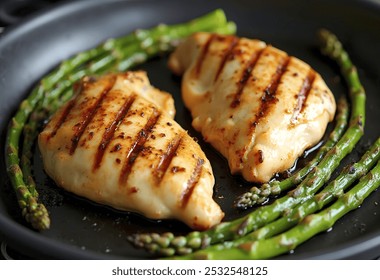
[[272, 87], [303, 94], [192, 182], [138, 146], [227, 54], [167, 157], [202, 56], [111, 129], [88, 116], [62, 117], [245, 76], [305, 90], [269, 96]]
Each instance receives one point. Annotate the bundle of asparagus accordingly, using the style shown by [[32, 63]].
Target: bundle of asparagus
[[55, 88]]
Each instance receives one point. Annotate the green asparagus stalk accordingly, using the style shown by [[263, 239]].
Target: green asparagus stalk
[[55, 88], [30, 132], [309, 227], [333, 190], [259, 195], [167, 244], [34, 212]]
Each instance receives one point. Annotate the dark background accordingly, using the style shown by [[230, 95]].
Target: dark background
[[12, 11]]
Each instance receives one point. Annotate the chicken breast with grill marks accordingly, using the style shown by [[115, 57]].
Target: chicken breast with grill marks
[[116, 143], [258, 106]]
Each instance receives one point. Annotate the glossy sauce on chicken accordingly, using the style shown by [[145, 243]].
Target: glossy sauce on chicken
[[258, 106], [116, 143]]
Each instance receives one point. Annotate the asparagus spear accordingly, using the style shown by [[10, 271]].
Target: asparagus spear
[[259, 195], [309, 227], [33, 211], [167, 244], [30, 132], [56, 86]]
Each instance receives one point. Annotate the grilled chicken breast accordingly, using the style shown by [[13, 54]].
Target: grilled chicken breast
[[258, 106], [116, 143]]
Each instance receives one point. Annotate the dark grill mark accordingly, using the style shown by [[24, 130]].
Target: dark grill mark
[[138, 146], [227, 55], [272, 87], [167, 157], [62, 118], [259, 157], [192, 182], [269, 97], [116, 148], [245, 76], [305, 90], [201, 58], [88, 116], [110, 130], [304, 93]]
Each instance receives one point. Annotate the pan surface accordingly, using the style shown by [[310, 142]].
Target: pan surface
[[81, 229]]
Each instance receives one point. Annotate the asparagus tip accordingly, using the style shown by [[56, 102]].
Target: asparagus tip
[[38, 217]]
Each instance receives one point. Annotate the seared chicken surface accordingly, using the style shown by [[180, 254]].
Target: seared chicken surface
[[258, 106], [116, 143]]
